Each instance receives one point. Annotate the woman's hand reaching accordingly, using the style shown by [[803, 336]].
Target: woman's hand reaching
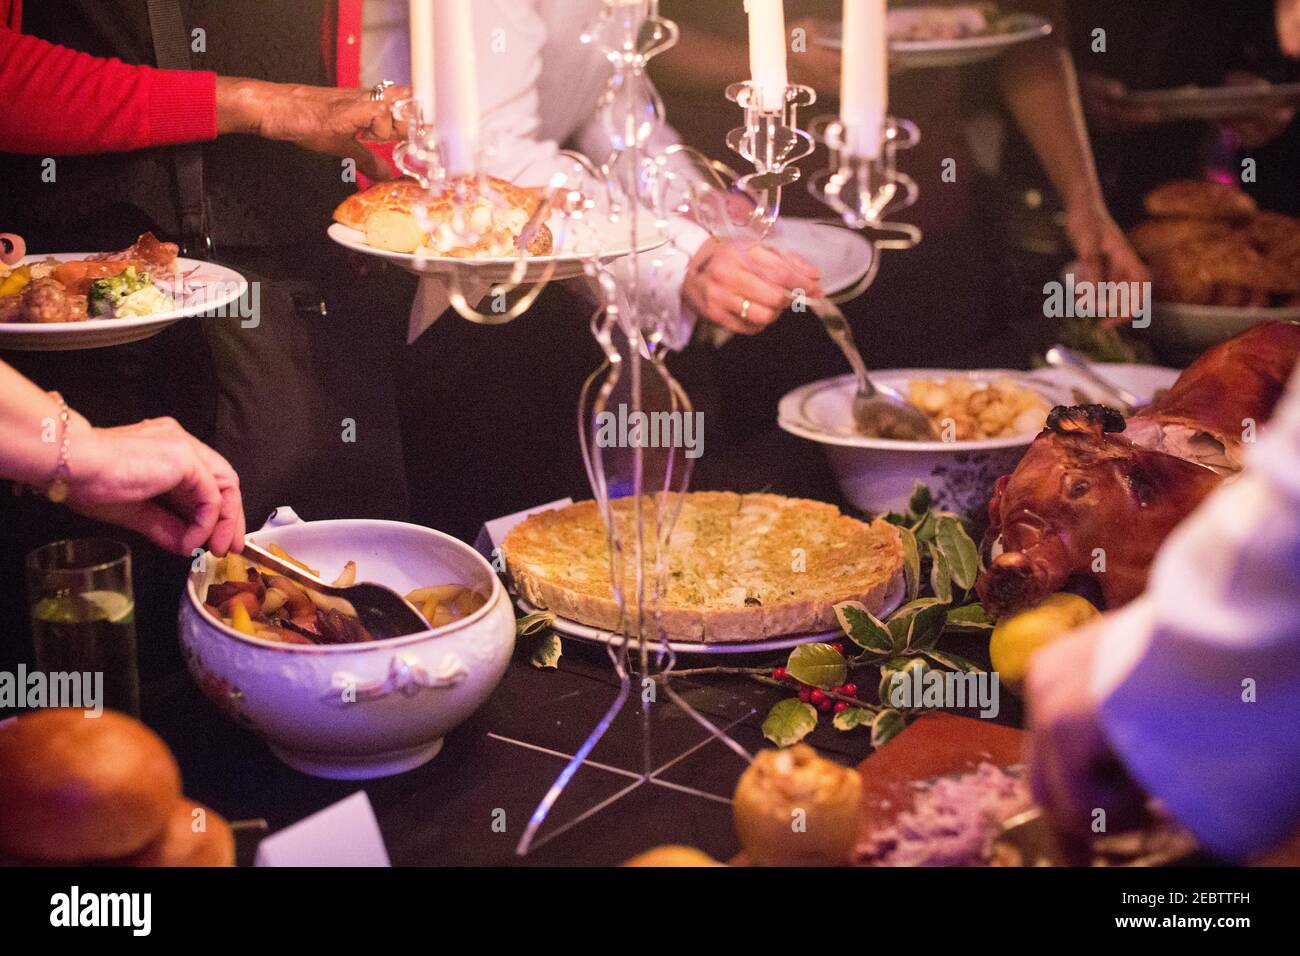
[[323, 119], [157, 479], [745, 288]]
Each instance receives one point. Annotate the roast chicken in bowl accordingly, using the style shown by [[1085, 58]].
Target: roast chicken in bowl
[[330, 701]]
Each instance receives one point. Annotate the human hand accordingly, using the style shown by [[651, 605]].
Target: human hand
[[1073, 773], [1288, 27], [157, 479], [323, 119], [1105, 254], [723, 276], [1102, 102]]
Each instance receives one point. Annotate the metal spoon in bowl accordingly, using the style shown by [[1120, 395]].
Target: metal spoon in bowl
[[382, 611], [878, 410], [1060, 356]]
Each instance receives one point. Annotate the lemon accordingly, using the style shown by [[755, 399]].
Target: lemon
[[85, 608], [1017, 638], [672, 856]]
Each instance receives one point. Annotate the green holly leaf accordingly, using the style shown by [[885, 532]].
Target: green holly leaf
[[911, 563], [921, 501], [925, 529], [818, 665], [958, 550], [534, 623], [852, 717], [953, 662], [927, 625], [864, 628], [970, 616], [886, 725], [547, 652], [940, 574], [789, 722]]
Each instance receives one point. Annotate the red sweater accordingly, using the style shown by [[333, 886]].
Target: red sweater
[[57, 101]]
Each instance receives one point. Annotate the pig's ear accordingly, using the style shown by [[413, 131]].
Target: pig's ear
[[1073, 419]]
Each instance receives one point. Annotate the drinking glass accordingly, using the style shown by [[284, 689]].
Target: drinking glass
[[83, 615]]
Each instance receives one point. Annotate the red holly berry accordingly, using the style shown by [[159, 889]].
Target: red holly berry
[[839, 647], [825, 705], [805, 694], [819, 697], [841, 706], [849, 690], [778, 673]]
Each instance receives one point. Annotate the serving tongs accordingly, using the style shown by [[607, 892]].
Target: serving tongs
[[1124, 401], [381, 610], [878, 410]]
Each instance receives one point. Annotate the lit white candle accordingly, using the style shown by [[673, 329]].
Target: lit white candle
[[456, 112], [422, 82], [767, 63], [864, 90]]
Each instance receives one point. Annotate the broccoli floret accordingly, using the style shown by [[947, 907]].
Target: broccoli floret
[[106, 294]]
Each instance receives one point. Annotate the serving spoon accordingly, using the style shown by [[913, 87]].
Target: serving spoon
[[1060, 356], [878, 410], [382, 611]]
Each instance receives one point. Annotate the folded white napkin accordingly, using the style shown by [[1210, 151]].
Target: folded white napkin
[[433, 298]]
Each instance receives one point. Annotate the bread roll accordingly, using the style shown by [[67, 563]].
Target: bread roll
[[76, 788], [194, 836]]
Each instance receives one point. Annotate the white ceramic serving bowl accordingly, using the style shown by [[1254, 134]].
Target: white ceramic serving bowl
[[1183, 332], [357, 711], [878, 475]]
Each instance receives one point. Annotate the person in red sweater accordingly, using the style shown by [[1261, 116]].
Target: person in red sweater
[[58, 101]]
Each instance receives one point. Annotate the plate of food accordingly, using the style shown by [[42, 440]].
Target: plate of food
[[481, 241], [745, 572], [986, 418], [1209, 103], [960, 34], [1219, 264], [93, 300]]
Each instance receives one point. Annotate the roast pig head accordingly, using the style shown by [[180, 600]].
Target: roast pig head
[[1085, 502]]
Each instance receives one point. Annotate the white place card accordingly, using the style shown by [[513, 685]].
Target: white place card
[[346, 834]]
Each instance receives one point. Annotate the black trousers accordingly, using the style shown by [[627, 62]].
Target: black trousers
[[302, 403]]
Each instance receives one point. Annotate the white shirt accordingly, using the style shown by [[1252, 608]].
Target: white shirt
[[539, 90], [1176, 670]]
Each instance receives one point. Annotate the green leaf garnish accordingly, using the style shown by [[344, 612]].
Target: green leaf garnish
[[863, 628], [958, 550], [852, 717], [789, 722], [547, 652], [886, 725], [818, 665]]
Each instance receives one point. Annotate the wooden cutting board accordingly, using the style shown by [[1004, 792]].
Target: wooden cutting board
[[934, 745]]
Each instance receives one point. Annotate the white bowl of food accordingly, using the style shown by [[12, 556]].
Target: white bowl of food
[[348, 710], [985, 418]]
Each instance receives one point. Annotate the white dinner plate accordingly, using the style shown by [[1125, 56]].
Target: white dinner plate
[[843, 257], [578, 244], [203, 288], [1211, 103], [893, 601], [1005, 33]]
